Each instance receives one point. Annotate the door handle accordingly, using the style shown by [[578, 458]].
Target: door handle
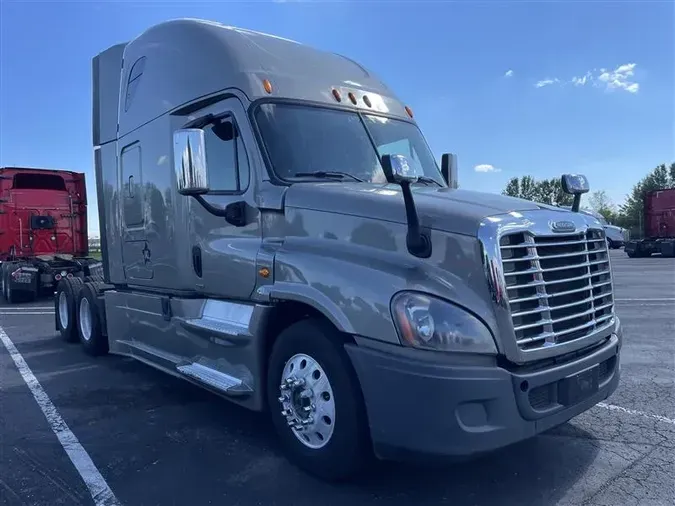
[[197, 260]]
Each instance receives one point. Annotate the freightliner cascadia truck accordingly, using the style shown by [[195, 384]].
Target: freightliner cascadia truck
[[43, 231], [276, 229]]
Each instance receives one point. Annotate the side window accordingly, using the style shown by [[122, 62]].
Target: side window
[[226, 158], [132, 186]]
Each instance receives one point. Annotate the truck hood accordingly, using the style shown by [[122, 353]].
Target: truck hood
[[446, 209]]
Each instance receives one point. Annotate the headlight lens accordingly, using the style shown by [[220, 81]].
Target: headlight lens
[[429, 323]]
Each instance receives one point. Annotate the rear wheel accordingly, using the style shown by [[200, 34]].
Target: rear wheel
[[64, 306], [12, 296], [89, 326], [316, 402]]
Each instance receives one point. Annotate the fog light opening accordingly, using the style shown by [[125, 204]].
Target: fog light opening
[[524, 386]]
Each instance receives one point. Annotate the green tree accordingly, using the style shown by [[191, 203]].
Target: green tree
[[602, 204], [512, 188], [547, 191]]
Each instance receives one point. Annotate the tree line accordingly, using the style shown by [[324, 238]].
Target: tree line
[[628, 215]]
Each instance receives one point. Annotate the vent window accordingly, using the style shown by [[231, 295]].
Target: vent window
[[134, 80]]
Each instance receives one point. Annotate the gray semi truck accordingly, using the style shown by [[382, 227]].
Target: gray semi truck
[[275, 228]]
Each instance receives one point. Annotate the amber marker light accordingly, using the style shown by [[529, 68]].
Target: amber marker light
[[267, 85], [409, 111]]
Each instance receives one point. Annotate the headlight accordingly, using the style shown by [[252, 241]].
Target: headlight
[[433, 324]]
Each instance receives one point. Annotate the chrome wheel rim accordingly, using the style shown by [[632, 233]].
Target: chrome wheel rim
[[85, 319], [307, 401], [63, 310]]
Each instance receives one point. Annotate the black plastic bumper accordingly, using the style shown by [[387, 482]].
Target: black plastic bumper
[[417, 407]]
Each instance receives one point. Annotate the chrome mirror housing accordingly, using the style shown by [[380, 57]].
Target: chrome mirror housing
[[189, 158]]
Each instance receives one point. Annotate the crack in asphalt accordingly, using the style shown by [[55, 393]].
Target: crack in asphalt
[[589, 500]]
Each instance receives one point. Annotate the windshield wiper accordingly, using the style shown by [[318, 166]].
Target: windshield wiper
[[426, 180], [323, 174]]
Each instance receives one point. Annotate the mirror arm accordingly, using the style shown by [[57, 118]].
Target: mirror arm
[[576, 203], [418, 243], [234, 213]]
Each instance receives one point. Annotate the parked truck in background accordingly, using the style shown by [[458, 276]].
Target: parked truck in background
[[43, 230], [274, 228], [616, 236], [658, 226]]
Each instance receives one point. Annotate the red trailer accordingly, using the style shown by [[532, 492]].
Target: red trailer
[[43, 230], [658, 226]]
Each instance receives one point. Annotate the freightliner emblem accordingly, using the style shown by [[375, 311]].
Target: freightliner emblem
[[562, 226]]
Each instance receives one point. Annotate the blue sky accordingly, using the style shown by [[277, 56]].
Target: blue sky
[[608, 110]]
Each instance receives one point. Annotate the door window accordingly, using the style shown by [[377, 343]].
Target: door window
[[226, 158]]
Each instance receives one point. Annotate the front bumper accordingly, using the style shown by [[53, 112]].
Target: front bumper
[[424, 406]]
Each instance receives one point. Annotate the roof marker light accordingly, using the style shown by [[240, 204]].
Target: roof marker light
[[337, 96], [366, 101], [409, 111], [267, 85], [352, 97]]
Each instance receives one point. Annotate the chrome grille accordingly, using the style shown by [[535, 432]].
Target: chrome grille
[[559, 287]]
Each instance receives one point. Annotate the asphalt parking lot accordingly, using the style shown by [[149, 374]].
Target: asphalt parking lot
[[156, 440]]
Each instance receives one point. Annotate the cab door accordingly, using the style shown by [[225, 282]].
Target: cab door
[[135, 249], [223, 249]]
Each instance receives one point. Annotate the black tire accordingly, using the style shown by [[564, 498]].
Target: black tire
[[69, 287], [15, 296], [349, 449], [3, 277], [87, 301]]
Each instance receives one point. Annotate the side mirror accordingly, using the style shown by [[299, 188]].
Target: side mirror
[[398, 169], [189, 160], [574, 184], [577, 185], [449, 169]]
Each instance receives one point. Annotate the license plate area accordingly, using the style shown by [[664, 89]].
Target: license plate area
[[578, 387], [23, 277]]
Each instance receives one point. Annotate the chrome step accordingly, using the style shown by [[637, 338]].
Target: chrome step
[[227, 328], [211, 377]]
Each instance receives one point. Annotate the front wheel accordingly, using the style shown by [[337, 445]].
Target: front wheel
[[316, 403]]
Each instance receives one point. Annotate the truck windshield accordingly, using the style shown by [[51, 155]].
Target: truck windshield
[[301, 139]]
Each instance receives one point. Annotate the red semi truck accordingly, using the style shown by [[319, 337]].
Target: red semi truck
[[43, 230], [658, 224]]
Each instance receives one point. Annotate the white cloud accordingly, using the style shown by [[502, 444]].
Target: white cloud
[[621, 78], [583, 80], [546, 82], [509, 73], [486, 167]]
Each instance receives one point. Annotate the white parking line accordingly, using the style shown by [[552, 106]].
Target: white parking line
[[27, 308], [665, 299], [12, 313], [98, 487], [621, 409]]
